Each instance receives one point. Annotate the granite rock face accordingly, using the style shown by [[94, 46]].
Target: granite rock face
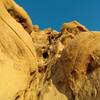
[[45, 64]]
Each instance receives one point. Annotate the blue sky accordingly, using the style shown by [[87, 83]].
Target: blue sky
[[53, 13]]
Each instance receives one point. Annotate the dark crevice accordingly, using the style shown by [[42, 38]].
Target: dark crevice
[[32, 73], [19, 19], [39, 93], [17, 97], [74, 74], [45, 68], [42, 69], [81, 29], [69, 30], [90, 68], [45, 55], [90, 65]]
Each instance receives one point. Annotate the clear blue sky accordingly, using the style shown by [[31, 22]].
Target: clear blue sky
[[53, 13]]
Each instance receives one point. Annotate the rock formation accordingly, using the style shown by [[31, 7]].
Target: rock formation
[[45, 64]]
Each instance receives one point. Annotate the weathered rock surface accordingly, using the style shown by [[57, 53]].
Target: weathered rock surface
[[45, 64], [17, 53]]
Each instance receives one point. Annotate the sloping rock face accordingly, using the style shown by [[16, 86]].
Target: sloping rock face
[[17, 53], [45, 64]]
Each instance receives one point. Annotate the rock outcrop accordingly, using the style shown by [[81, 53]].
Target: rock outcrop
[[45, 64]]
